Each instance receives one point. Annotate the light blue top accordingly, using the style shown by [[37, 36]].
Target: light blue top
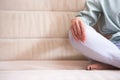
[[108, 14]]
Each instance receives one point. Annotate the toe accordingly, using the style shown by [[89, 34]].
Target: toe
[[89, 67]]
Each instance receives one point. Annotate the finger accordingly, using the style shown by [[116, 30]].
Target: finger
[[82, 26], [84, 35], [73, 33], [74, 28], [78, 30]]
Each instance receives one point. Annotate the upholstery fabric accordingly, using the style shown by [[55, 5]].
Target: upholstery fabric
[[34, 42], [37, 29]]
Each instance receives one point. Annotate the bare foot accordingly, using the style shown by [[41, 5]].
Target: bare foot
[[100, 66]]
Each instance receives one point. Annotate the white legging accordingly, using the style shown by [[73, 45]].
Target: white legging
[[97, 47]]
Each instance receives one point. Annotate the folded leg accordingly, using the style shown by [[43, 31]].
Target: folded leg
[[97, 47]]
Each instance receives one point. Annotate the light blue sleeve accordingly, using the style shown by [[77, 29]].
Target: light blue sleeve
[[91, 13]]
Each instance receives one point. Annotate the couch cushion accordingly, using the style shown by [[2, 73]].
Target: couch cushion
[[25, 24], [44, 5], [58, 70], [59, 75], [43, 65], [37, 29], [37, 49]]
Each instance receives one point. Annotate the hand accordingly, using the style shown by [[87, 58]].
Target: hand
[[78, 29]]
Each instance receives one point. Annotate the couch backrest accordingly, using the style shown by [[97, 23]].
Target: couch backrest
[[37, 29]]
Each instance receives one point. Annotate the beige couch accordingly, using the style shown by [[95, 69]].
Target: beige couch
[[34, 42]]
